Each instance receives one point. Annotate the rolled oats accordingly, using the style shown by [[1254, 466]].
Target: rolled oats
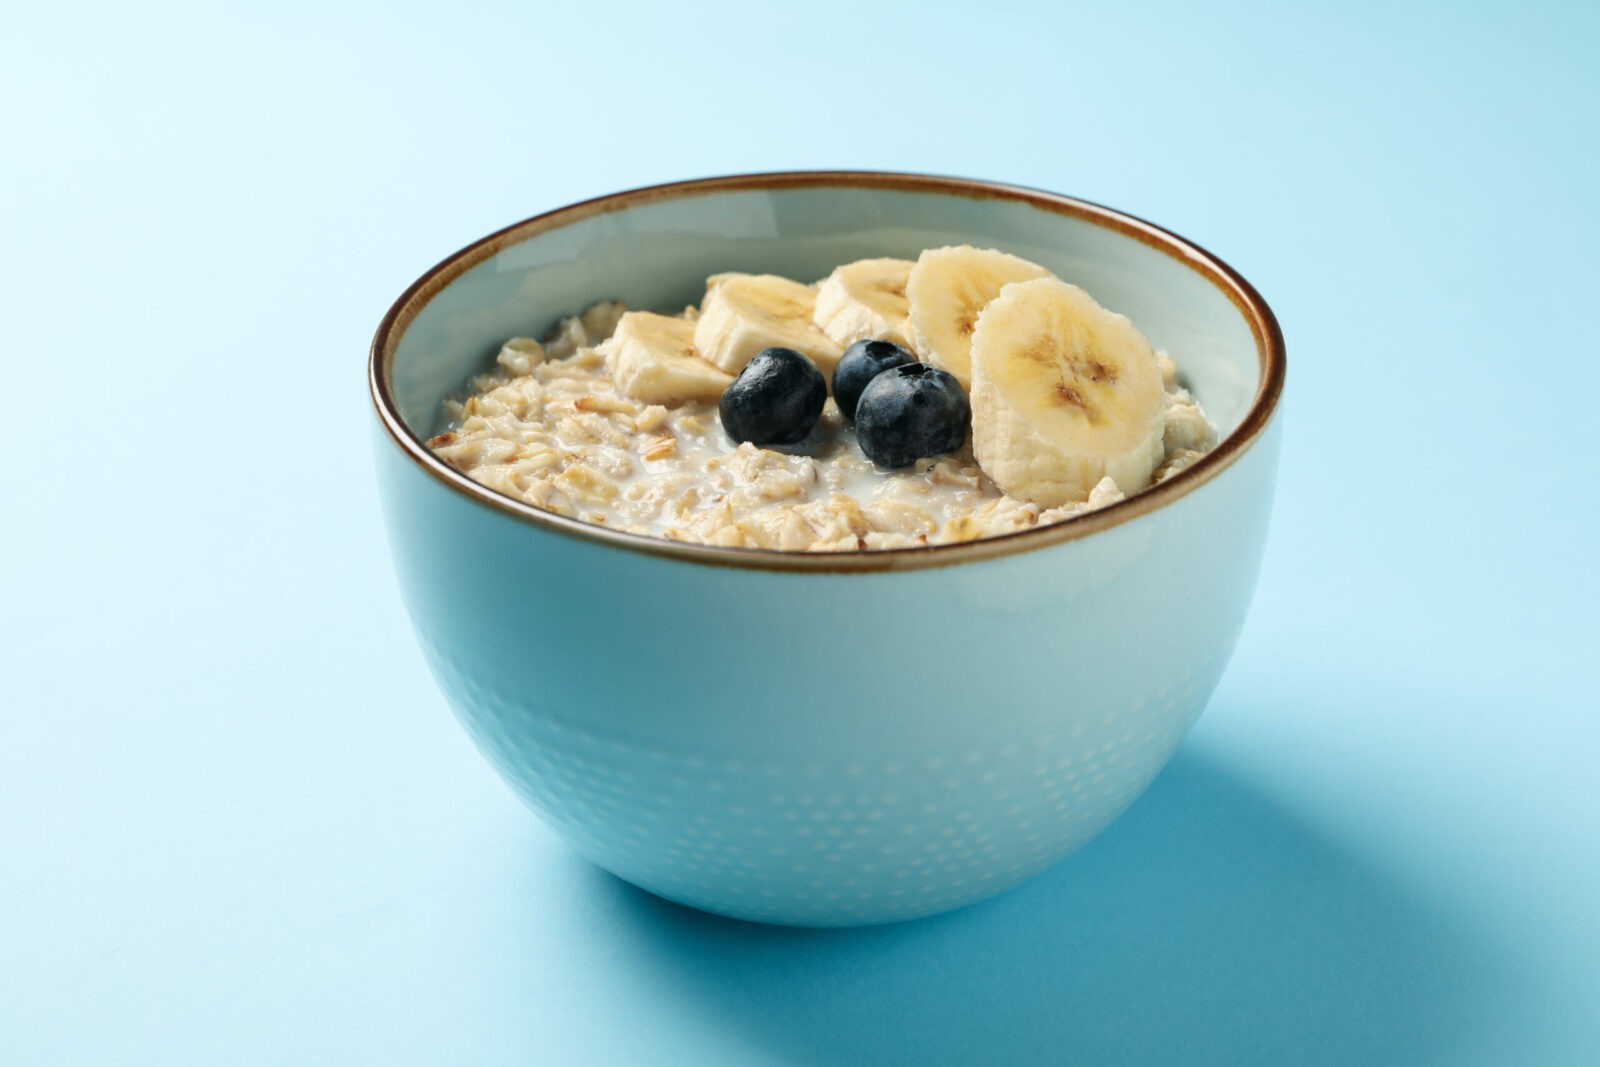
[[549, 426]]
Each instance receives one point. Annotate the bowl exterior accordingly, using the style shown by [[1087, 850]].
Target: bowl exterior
[[828, 748]]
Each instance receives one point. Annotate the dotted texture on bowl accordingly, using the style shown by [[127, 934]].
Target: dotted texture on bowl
[[855, 840]]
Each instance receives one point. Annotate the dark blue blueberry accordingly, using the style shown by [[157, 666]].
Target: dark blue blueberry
[[910, 412], [775, 400], [862, 362]]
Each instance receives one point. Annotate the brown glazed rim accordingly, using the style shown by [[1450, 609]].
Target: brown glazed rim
[[1263, 327]]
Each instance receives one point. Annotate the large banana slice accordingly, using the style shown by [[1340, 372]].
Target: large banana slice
[[866, 301], [1064, 393], [948, 287], [744, 313], [652, 359]]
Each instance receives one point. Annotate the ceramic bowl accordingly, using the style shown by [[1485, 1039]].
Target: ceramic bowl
[[831, 739]]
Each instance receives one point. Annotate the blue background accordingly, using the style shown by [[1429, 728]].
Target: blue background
[[237, 823]]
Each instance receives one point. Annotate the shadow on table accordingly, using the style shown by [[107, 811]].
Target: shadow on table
[[1206, 926]]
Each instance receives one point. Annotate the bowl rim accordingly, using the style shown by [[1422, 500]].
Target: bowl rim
[[1263, 325]]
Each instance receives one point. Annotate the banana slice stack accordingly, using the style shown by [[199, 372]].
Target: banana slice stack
[[1064, 393]]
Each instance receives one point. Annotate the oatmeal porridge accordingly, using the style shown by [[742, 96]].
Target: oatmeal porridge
[[972, 394]]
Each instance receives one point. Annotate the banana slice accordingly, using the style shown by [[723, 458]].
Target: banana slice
[[948, 287], [652, 359], [1064, 393], [744, 313], [866, 301]]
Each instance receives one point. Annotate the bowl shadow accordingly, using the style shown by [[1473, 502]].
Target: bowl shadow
[[1206, 926]]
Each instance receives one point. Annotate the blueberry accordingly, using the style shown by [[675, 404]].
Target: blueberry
[[910, 412], [862, 362], [775, 400]]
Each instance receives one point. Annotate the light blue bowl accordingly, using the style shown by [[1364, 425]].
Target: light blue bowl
[[839, 739]]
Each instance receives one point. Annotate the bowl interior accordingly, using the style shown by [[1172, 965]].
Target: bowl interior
[[655, 253]]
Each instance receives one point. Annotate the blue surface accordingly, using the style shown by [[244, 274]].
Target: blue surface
[[237, 823]]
